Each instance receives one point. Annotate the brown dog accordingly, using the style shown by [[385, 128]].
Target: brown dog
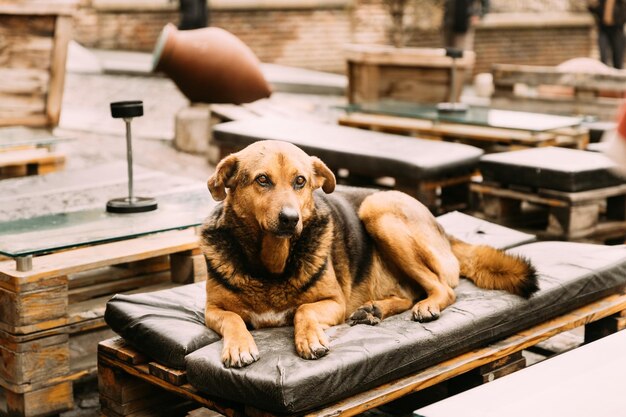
[[278, 252]]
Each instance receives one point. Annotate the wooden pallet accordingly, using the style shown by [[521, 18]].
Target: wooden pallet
[[595, 215], [33, 161], [558, 91], [132, 384], [488, 138], [51, 317]]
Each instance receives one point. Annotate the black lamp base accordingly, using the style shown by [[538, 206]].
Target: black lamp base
[[136, 205], [451, 107]]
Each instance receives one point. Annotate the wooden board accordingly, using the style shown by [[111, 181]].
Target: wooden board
[[485, 137], [34, 37]]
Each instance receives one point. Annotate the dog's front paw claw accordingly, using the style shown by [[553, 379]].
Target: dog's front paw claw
[[313, 346], [367, 314], [239, 356], [424, 312]]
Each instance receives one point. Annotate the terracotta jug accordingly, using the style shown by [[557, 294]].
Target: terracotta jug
[[210, 65]]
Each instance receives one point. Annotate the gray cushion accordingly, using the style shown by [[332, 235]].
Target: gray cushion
[[373, 153], [561, 169], [363, 357]]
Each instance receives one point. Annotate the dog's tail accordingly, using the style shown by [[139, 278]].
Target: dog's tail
[[494, 269]]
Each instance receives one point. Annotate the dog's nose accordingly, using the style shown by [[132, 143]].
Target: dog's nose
[[288, 218]]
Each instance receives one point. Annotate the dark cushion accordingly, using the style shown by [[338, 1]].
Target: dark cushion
[[362, 357], [169, 325], [553, 168], [362, 151], [166, 324]]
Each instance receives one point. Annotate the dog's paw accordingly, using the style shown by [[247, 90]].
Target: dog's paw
[[367, 314], [425, 311], [237, 354], [312, 343]]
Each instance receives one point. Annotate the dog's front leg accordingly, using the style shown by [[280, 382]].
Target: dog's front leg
[[309, 323], [239, 347]]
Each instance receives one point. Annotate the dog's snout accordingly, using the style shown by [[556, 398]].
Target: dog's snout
[[288, 218]]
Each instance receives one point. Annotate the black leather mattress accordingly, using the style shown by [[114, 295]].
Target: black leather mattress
[[358, 150], [168, 326], [561, 169]]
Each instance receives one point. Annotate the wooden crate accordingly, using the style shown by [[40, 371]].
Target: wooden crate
[[33, 161], [421, 75], [595, 215], [51, 316], [33, 52], [552, 90], [132, 384], [490, 139]]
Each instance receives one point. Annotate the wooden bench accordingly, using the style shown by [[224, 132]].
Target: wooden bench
[[559, 90], [59, 270], [130, 382], [554, 193], [436, 173]]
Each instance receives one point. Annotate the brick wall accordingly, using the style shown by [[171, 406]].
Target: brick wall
[[311, 33]]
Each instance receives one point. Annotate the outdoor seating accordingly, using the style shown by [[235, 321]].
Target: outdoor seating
[[575, 194], [167, 348], [437, 173]]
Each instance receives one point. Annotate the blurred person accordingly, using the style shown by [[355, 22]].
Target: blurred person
[[459, 17], [610, 16]]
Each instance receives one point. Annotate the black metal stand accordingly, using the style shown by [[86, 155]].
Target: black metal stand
[[452, 106], [127, 110]]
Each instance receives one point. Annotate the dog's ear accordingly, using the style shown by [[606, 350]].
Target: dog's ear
[[223, 177], [324, 177]]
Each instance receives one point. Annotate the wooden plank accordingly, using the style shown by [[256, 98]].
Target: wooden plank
[[62, 35], [116, 286], [36, 361], [49, 400], [120, 350], [517, 195], [173, 376], [30, 156], [22, 309], [115, 272], [92, 257]]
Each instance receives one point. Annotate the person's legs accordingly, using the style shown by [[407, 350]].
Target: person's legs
[[617, 44], [603, 45]]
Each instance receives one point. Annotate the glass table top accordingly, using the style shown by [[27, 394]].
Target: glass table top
[[45, 234], [478, 116], [15, 136]]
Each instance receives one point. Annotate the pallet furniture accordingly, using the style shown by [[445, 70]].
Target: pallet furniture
[[421, 75], [482, 336], [490, 129], [559, 89], [60, 269], [28, 151], [438, 174], [577, 383], [555, 193], [33, 70]]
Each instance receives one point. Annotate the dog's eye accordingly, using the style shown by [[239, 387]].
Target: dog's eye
[[299, 181], [263, 180]]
